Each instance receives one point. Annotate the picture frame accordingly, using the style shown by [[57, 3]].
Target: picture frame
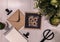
[[33, 20]]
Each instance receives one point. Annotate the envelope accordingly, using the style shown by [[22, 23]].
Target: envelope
[[17, 19]]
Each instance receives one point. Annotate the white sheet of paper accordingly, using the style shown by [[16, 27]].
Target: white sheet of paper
[[15, 36]]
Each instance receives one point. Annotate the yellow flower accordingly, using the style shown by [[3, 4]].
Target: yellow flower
[[54, 2]]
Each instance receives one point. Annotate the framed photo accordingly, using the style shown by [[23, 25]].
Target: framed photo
[[33, 20]]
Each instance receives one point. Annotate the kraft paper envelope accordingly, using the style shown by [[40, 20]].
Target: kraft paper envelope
[[17, 19]]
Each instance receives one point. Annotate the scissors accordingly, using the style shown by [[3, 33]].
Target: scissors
[[48, 35]]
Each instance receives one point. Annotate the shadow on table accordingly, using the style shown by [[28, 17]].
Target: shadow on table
[[57, 36]]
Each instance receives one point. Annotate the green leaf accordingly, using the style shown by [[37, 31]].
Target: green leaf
[[54, 21], [2, 25]]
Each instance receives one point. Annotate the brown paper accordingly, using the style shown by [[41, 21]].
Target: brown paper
[[13, 19]]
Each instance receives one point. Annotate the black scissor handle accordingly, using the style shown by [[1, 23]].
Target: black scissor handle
[[47, 36], [43, 40]]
